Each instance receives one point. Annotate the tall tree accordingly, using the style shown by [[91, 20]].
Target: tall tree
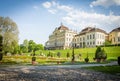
[[38, 47], [1, 47], [9, 31], [24, 46], [31, 46]]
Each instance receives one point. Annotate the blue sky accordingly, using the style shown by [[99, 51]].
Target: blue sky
[[37, 19]]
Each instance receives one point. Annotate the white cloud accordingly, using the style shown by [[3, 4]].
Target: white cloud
[[65, 8], [52, 11], [56, 6], [47, 4], [80, 19], [105, 3]]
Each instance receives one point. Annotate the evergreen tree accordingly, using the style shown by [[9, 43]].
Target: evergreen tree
[[1, 47]]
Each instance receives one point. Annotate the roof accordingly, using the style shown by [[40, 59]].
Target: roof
[[85, 30], [90, 29], [62, 27], [98, 30], [116, 30]]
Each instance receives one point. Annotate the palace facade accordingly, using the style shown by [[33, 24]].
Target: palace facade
[[114, 36], [90, 37], [63, 38]]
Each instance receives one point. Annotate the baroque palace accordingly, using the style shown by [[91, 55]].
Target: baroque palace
[[64, 38]]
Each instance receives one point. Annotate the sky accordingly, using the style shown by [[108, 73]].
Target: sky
[[37, 19]]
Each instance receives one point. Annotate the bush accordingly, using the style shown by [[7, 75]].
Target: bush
[[33, 58], [110, 45], [86, 59], [98, 50], [119, 60], [1, 56], [100, 54]]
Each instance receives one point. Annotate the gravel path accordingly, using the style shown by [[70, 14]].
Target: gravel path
[[38, 73]]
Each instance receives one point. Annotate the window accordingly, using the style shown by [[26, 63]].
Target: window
[[114, 39], [90, 43], [83, 38], [102, 36], [90, 37], [87, 43], [118, 39], [77, 39], [80, 39], [93, 36], [69, 34], [98, 42], [87, 36], [93, 42], [69, 39], [98, 36]]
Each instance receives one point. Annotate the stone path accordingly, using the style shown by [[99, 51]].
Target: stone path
[[53, 73]]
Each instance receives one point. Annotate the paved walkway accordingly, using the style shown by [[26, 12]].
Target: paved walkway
[[55, 73], [62, 66]]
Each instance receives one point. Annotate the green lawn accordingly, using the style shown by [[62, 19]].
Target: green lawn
[[106, 69], [112, 54]]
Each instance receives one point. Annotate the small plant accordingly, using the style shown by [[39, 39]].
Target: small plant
[[58, 54], [68, 55], [33, 59], [87, 59]]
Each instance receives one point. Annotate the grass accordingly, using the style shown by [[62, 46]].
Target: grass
[[106, 69], [112, 54]]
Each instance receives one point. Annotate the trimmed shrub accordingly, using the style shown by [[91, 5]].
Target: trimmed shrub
[[119, 60], [100, 54], [86, 59]]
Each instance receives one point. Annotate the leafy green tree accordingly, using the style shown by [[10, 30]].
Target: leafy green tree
[[97, 51], [25, 43], [31, 46], [39, 47], [9, 31], [24, 46], [15, 47], [1, 47]]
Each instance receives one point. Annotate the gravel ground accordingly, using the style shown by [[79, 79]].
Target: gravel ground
[[56, 74]]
